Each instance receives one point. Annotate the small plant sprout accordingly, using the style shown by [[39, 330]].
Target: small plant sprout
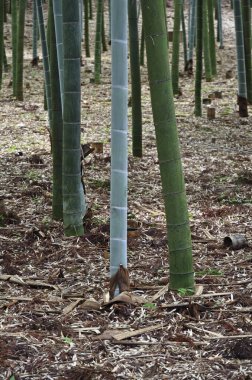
[[67, 340], [150, 306], [185, 292]]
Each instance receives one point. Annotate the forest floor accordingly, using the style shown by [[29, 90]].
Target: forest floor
[[54, 322]]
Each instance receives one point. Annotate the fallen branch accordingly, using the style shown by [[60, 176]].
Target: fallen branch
[[21, 281], [212, 295], [129, 334], [190, 326], [229, 337], [144, 342]]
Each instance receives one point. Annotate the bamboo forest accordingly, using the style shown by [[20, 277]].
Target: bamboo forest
[[125, 189]]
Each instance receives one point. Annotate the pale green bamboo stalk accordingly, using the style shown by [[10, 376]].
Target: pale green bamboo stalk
[[119, 149]]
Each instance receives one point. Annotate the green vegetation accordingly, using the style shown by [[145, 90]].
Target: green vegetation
[[150, 306], [33, 175], [67, 340], [2, 219], [100, 183], [210, 272], [183, 292], [225, 199]]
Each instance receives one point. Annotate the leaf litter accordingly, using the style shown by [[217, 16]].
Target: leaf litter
[[56, 318]]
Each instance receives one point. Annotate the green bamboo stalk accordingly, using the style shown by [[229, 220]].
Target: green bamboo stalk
[[220, 32], [207, 61], [34, 34], [98, 41], [135, 80], [104, 44], [8, 6], [45, 100], [179, 238], [48, 41], [242, 86], [45, 58], [90, 10], [199, 48], [142, 48], [5, 62], [4, 10], [164, 1], [119, 149], [175, 46], [73, 197], [57, 13], [20, 50], [246, 16], [81, 20], [48, 29], [109, 11], [56, 125], [1, 41], [86, 27], [211, 37], [184, 35], [191, 36], [14, 13]]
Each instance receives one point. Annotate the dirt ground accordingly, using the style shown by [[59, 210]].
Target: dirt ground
[[54, 323]]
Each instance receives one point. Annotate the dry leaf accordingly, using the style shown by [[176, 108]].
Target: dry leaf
[[91, 304]]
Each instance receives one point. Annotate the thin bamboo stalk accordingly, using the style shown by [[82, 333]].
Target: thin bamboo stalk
[[119, 148]]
